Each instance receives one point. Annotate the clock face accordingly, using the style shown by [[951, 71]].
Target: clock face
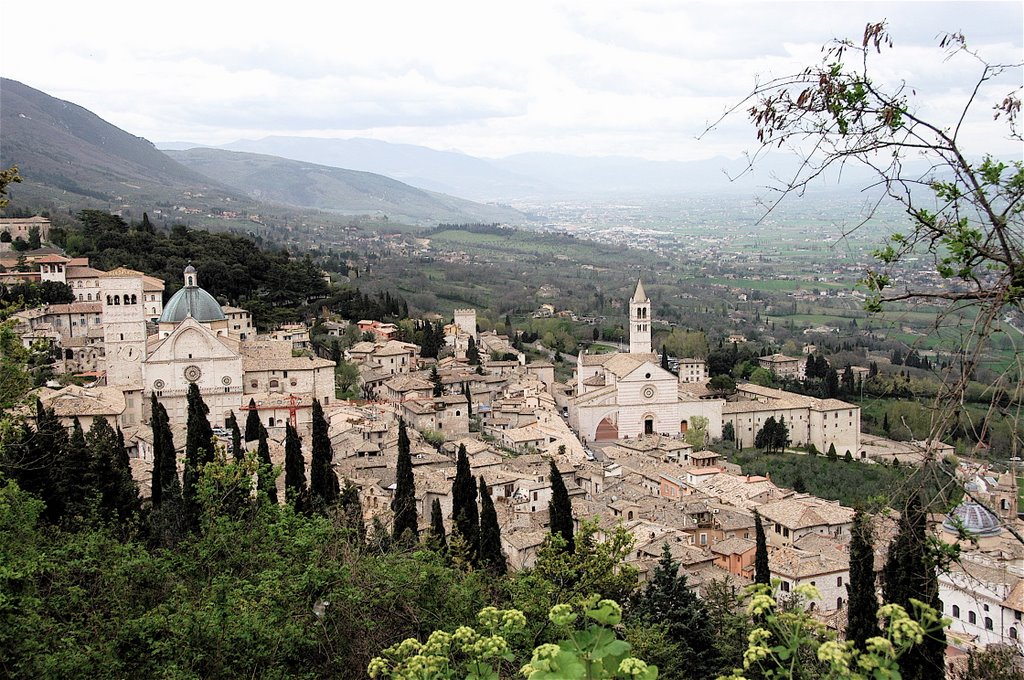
[[192, 374], [648, 392], [129, 354]]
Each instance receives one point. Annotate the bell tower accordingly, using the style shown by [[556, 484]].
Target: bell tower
[[124, 336], [639, 321]]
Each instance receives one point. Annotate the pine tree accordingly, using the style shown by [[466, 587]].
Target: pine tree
[[198, 449], [404, 503], [436, 539], [491, 555], [469, 401], [165, 467], [294, 469], [323, 482], [472, 353], [762, 573], [664, 358], [668, 601], [862, 612], [910, 573], [464, 511], [40, 472], [560, 509], [267, 479], [252, 422], [236, 438], [126, 499], [832, 455]]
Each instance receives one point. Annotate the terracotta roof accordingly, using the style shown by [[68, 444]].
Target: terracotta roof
[[733, 546]]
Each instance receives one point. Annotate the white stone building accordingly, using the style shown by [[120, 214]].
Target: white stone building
[[628, 394]]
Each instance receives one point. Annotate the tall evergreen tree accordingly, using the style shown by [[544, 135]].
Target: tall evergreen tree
[[862, 612], [102, 442], [435, 379], [464, 511], [472, 353], [351, 511], [165, 465], [40, 470], [404, 503], [664, 357], [910, 573], [436, 539], [267, 478], [762, 573], [491, 555], [668, 601], [252, 422], [198, 448], [560, 509], [77, 474], [126, 500], [323, 482], [237, 452], [469, 400], [294, 469]]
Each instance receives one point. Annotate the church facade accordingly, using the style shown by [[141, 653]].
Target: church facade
[[628, 394]]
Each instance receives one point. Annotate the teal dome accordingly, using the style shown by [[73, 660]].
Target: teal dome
[[192, 301]]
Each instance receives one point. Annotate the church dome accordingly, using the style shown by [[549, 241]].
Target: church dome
[[974, 519], [192, 301]]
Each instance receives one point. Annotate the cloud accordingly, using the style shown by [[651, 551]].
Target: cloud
[[601, 77]]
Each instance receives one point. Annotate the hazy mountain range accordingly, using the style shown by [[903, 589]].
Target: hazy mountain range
[[69, 156], [522, 176]]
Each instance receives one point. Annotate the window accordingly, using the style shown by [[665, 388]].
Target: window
[[956, 611], [270, 422], [839, 581], [785, 586], [285, 374], [839, 603], [254, 384], [988, 623], [1013, 633], [274, 384], [703, 539], [972, 617]]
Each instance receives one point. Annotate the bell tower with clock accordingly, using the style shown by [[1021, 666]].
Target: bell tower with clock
[[124, 335]]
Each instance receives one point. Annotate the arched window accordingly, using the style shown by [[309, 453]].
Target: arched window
[[89, 297], [117, 299], [135, 300], [972, 617], [110, 300], [839, 603], [956, 611], [988, 623], [274, 384], [629, 515], [1013, 633], [458, 413]]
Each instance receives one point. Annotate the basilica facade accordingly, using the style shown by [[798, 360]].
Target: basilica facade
[[628, 394]]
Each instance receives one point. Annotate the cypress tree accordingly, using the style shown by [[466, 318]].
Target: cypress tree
[[198, 448], [41, 472], [404, 503], [491, 555], [469, 400], [352, 511], [832, 451], [294, 469], [236, 437], [76, 479], [560, 509], [464, 510], [165, 468], [667, 600], [762, 573], [436, 539], [102, 443], [435, 378], [267, 479], [472, 353], [664, 358], [910, 573], [862, 614], [323, 482], [126, 500], [252, 422]]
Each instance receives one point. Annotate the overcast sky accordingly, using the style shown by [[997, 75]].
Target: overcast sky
[[487, 78]]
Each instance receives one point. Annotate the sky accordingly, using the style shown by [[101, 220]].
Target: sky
[[491, 79]]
